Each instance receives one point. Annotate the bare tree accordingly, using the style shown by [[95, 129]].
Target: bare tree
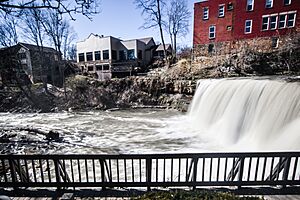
[[178, 21], [72, 52], [85, 7], [8, 30], [152, 10], [59, 31]]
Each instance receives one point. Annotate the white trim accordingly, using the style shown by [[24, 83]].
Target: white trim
[[248, 20], [267, 23], [285, 18], [294, 20], [276, 21], [205, 13], [250, 4], [290, 2]]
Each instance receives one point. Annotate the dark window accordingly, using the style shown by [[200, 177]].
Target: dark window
[[274, 42], [105, 55], [130, 54], [248, 26], [221, 11], [212, 32], [273, 22], [90, 68], [89, 56], [228, 28], [211, 48], [250, 5], [205, 13], [98, 67], [105, 67], [114, 54], [287, 2], [291, 20], [97, 55], [265, 23], [122, 55], [140, 55], [22, 55], [282, 21], [230, 6], [269, 3], [81, 57]]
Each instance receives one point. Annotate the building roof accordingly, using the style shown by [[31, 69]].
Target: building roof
[[161, 47], [36, 48]]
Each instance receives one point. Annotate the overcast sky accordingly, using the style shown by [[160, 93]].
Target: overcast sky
[[121, 19]]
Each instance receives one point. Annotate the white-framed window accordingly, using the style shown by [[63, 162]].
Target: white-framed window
[[269, 3], [291, 18], [205, 13], [248, 26], [221, 10], [282, 21], [273, 22], [287, 2], [250, 5], [265, 23], [212, 32]]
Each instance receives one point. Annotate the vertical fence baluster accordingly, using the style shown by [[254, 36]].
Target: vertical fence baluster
[[79, 170], [171, 169], [295, 168], [164, 173], [218, 169], [103, 172], [140, 168], [13, 172], [48, 169], [264, 169], [41, 170], [286, 171], [72, 170], [57, 174], [271, 170], [118, 173], [225, 169], [179, 169], [241, 171], [195, 173], [148, 172], [132, 169], [125, 170], [249, 169], [256, 169], [86, 170], [33, 170], [203, 169], [186, 169], [94, 171], [278, 170], [210, 169], [27, 172], [4, 170], [156, 170]]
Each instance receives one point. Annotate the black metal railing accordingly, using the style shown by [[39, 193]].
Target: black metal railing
[[151, 170]]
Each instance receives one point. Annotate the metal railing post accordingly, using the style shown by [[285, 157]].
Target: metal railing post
[[195, 172], [102, 173], [148, 172], [13, 173], [241, 171], [286, 171], [57, 174]]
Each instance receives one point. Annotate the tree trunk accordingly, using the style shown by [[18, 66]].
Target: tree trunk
[[160, 28]]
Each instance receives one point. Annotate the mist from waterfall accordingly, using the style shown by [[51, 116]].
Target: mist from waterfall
[[248, 114]]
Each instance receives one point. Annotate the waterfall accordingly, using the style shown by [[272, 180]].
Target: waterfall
[[248, 114]]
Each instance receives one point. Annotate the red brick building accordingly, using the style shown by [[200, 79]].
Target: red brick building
[[219, 21]]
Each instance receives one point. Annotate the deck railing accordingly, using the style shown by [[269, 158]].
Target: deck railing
[[151, 170]]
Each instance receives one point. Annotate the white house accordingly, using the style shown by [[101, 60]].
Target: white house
[[109, 57]]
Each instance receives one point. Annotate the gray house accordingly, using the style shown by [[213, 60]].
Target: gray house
[[109, 57]]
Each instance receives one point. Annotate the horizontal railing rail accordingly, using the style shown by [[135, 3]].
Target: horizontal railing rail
[[151, 170]]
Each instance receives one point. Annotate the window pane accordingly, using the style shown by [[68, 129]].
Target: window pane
[[287, 2], [248, 26], [99, 67], [130, 54], [105, 55], [205, 13], [81, 57], [291, 20], [97, 55], [105, 67], [89, 56], [114, 54], [273, 22], [265, 23], [122, 55], [269, 3], [221, 11], [282, 19], [250, 4], [212, 32], [90, 68]]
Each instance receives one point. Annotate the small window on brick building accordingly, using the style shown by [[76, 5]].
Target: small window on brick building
[[275, 41], [291, 19], [89, 56], [211, 48], [282, 21], [269, 3], [250, 5], [228, 28], [221, 10], [205, 13], [273, 22], [90, 68], [265, 23], [81, 57], [248, 26], [287, 2], [230, 6], [212, 32]]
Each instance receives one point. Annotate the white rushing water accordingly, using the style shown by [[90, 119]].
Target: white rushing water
[[248, 115]]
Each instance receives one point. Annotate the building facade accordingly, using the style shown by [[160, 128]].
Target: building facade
[[31, 64], [109, 57], [227, 24]]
